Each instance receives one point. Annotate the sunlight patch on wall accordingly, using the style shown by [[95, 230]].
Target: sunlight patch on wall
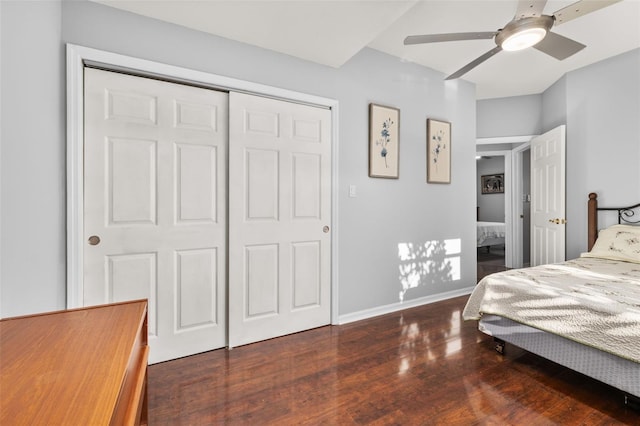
[[430, 263]]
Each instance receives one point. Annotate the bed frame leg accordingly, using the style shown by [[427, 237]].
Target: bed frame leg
[[632, 401], [498, 345]]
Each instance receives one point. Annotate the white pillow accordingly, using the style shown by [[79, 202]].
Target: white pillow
[[618, 242]]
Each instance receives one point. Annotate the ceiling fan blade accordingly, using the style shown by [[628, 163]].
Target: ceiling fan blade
[[560, 47], [471, 65], [579, 9], [437, 38], [529, 8]]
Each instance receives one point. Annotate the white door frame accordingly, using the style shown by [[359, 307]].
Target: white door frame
[[517, 200], [77, 58]]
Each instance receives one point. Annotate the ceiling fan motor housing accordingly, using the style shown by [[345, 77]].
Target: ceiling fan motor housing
[[515, 27]]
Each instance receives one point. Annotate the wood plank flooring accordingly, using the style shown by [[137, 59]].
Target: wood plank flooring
[[421, 366], [490, 261]]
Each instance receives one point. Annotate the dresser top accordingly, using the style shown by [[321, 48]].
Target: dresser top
[[67, 367]]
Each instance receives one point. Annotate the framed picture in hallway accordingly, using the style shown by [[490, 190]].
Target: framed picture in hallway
[[438, 151], [492, 184], [384, 141]]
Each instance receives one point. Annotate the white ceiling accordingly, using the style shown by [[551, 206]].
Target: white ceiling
[[330, 32]]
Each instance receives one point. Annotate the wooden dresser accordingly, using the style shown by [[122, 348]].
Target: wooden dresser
[[83, 366]]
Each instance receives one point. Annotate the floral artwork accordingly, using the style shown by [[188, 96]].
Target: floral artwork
[[384, 139], [438, 151], [439, 145]]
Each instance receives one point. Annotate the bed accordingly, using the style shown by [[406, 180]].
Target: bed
[[490, 234], [583, 313]]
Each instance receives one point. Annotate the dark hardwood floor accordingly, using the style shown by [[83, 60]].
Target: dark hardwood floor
[[490, 261], [422, 366]]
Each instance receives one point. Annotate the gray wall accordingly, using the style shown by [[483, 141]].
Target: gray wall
[[554, 105], [491, 205], [603, 139], [385, 216], [513, 116], [32, 160], [600, 104]]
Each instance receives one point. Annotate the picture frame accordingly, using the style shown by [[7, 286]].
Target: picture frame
[[438, 151], [384, 141], [492, 184]]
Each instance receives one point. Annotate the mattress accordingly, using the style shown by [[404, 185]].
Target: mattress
[[591, 301], [490, 233]]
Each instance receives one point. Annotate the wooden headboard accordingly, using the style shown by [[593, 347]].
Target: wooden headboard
[[625, 215]]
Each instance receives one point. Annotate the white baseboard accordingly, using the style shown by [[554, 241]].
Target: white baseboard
[[394, 307]]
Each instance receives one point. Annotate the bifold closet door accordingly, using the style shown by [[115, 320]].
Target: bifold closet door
[[155, 206], [279, 218]]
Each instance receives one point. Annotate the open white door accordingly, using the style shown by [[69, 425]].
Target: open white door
[[279, 218], [548, 197], [155, 206]]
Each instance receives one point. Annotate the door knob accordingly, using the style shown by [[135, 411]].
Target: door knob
[[94, 240], [558, 221], [325, 229]]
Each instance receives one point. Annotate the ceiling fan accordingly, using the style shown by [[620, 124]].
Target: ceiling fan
[[529, 27]]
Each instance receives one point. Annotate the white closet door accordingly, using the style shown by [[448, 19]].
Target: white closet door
[[155, 206], [279, 218], [548, 220]]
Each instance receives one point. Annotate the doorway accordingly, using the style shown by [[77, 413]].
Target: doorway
[[494, 207], [490, 213], [515, 150]]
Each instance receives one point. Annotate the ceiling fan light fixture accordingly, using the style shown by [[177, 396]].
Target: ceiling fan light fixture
[[523, 33], [523, 39]]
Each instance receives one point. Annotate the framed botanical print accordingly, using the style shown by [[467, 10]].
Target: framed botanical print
[[438, 151], [384, 141]]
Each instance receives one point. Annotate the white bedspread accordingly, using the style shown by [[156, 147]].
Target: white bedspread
[[489, 231], [592, 301]]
